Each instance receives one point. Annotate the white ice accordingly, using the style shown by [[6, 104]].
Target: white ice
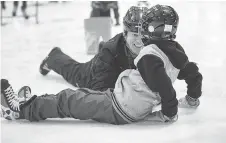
[[24, 44]]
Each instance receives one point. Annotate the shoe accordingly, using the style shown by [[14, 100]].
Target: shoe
[[44, 69]]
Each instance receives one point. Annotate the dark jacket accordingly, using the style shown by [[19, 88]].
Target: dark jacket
[[153, 72], [109, 63]]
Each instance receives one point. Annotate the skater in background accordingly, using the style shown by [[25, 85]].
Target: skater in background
[[137, 91], [15, 7], [3, 5], [116, 12], [102, 9], [102, 71], [143, 3]]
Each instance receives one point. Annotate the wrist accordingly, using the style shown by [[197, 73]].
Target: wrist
[[169, 119]]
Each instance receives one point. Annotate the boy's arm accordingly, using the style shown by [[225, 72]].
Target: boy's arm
[[190, 73], [153, 73]]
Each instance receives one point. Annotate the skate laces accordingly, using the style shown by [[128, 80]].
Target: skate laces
[[12, 99]]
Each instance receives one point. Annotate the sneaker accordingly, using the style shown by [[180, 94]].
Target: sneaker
[[44, 69]]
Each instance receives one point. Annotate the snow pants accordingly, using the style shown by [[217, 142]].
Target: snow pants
[[80, 104], [77, 74]]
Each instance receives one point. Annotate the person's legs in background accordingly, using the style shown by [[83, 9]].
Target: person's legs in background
[[3, 5], [23, 9], [15, 6], [116, 13]]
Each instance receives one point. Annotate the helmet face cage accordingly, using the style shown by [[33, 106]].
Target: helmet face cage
[[133, 17], [159, 22]]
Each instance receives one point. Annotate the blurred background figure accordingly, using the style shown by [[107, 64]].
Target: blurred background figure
[[15, 7], [143, 3], [103, 9], [23, 8], [116, 12], [3, 5]]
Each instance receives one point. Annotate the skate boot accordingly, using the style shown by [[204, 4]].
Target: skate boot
[[44, 69], [10, 102]]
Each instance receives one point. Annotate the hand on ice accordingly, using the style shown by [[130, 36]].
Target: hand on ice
[[158, 116], [188, 102]]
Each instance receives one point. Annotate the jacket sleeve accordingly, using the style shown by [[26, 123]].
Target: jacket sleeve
[[190, 73], [153, 73]]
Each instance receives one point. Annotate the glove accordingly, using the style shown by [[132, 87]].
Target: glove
[[188, 102], [158, 116]]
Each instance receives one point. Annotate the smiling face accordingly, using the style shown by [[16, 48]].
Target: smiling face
[[134, 42]]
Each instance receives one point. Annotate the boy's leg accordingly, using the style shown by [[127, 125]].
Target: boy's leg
[[71, 70], [80, 104]]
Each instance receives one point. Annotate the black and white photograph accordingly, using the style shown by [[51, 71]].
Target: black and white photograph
[[122, 71]]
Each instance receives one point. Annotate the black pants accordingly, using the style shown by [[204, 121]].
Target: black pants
[[116, 13], [15, 5], [23, 7], [100, 13], [80, 104]]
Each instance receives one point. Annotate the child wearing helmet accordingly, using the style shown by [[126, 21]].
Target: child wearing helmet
[[137, 91], [163, 60]]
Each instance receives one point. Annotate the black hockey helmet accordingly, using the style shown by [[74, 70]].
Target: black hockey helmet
[[159, 22], [132, 18]]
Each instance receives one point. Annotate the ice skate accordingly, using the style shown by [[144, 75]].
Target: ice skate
[[11, 102], [44, 69]]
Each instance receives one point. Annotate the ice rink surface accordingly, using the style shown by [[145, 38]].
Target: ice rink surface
[[24, 45]]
